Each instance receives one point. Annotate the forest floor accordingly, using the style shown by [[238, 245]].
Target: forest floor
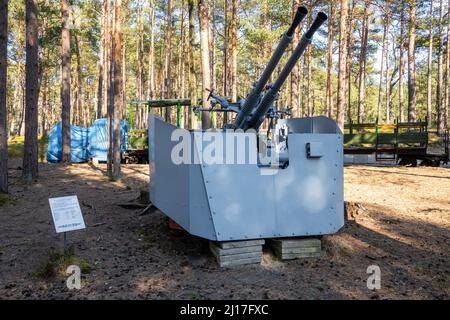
[[401, 223]]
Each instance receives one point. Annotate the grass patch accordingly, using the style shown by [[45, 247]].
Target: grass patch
[[16, 143], [57, 263], [191, 295], [7, 199], [336, 248], [439, 278]]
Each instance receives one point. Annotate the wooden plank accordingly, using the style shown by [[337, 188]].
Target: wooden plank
[[240, 262], [241, 256], [297, 242], [231, 251], [235, 253], [299, 256], [240, 244], [297, 250]]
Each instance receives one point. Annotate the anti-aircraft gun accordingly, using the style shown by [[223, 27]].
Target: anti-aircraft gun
[[252, 111], [214, 183]]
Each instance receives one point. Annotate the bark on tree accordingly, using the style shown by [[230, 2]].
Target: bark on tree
[[342, 64], [212, 46], [18, 91], [233, 49], [388, 71], [351, 26], [309, 66], [30, 156], [168, 80], [330, 102], [295, 75], [193, 75], [204, 48], [107, 58], [362, 64], [430, 62], [65, 82], [79, 100], [225, 48], [3, 86], [212, 52], [117, 90], [151, 53], [45, 104], [383, 72], [101, 63], [401, 65], [411, 62], [447, 69], [110, 106], [440, 77], [124, 76]]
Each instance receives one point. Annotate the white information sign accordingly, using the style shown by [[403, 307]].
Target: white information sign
[[66, 214]]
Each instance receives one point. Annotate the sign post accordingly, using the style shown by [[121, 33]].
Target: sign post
[[67, 215]]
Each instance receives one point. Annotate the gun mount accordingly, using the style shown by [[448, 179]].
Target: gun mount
[[235, 183]]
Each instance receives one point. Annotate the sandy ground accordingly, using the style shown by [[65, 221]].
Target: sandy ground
[[401, 223]]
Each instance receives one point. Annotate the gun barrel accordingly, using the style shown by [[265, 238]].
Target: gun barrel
[[258, 116], [252, 99]]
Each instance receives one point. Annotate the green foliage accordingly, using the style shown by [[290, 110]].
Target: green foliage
[[260, 26], [57, 263], [7, 199], [16, 144]]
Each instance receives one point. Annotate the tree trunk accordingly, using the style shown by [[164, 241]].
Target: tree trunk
[[383, 58], [30, 156], [65, 83], [139, 58], [332, 12], [18, 90], [430, 63], [110, 106], [22, 111], [401, 65], [117, 90], [212, 45], [124, 76], [233, 49], [212, 52], [362, 64], [168, 81], [349, 58], [107, 58], [342, 64], [193, 75], [101, 63], [447, 68], [16, 105], [206, 73], [439, 93], [80, 111], [3, 91], [387, 75], [45, 104], [151, 53], [295, 74], [225, 54], [411, 62]]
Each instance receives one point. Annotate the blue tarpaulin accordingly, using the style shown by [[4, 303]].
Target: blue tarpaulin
[[78, 144], [98, 139], [86, 143]]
